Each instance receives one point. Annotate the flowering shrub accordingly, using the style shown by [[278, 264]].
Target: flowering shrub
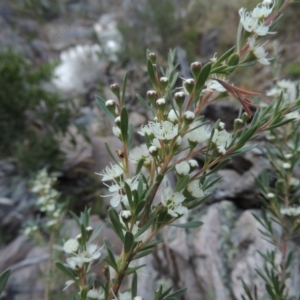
[[177, 133], [281, 201]]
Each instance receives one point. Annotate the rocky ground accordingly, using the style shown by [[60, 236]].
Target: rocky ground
[[214, 258]]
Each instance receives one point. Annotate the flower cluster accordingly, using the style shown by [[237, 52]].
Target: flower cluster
[[79, 66], [47, 200], [256, 24]]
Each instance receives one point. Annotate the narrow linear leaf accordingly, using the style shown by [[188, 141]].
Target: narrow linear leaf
[[144, 103], [124, 125], [101, 103], [204, 73], [115, 222], [134, 284], [194, 224], [130, 136], [151, 73], [3, 279], [182, 183], [110, 259], [124, 87], [223, 57], [65, 270], [128, 242], [110, 154]]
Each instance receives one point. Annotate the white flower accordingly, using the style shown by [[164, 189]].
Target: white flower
[[290, 211], [111, 173], [199, 134], [258, 51], [119, 193], [68, 283], [221, 138], [286, 84], [194, 189], [75, 263], [124, 296], [117, 131], [79, 65], [164, 130], [173, 202], [261, 11], [221, 150], [252, 24], [173, 116], [214, 85], [140, 153], [286, 165], [183, 168], [96, 294], [91, 253], [145, 130], [71, 246], [267, 2]]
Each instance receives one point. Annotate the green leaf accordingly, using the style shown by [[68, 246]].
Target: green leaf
[[124, 125], [145, 104], [143, 253], [151, 73], [194, 224], [129, 242], [219, 166], [74, 216], [110, 154], [223, 57], [115, 223], [3, 279], [95, 233], [233, 60], [182, 183], [140, 206], [130, 136], [110, 259], [204, 73], [132, 270], [129, 195], [65, 270], [146, 225], [176, 294], [124, 87], [134, 283], [101, 103]]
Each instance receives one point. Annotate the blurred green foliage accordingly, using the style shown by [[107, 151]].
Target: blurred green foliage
[[31, 117]]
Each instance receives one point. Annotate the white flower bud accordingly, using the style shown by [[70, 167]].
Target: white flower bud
[[189, 116], [117, 131], [161, 101], [109, 103], [153, 150], [221, 126], [71, 246], [173, 116], [288, 156], [178, 141], [126, 215], [182, 168], [286, 166], [193, 163], [270, 195]]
